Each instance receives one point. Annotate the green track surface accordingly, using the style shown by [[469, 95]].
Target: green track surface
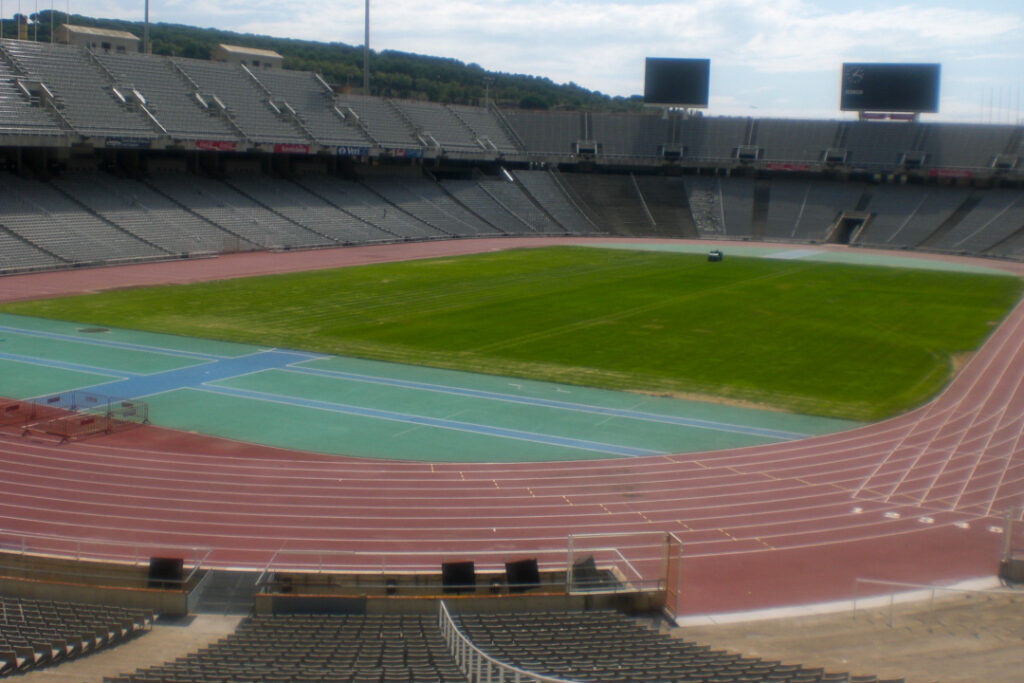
[[326, 413], [819, 338], [29, 380]]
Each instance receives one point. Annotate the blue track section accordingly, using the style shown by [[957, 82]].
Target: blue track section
[[195, 376]]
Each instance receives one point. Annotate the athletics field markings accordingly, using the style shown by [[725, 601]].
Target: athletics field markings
[[337, 405]]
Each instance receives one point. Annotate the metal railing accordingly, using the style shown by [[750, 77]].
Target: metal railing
[[99, 550], [908, 592], [477, 665]]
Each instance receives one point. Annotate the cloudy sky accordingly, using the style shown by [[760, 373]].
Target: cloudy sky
[[768, 57]]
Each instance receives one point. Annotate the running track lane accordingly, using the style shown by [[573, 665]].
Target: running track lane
[[912, 498]]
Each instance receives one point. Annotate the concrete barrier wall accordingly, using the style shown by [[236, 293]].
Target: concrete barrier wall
[[163, 602]]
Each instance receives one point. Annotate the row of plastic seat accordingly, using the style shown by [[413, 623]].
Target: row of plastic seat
[[610, 647], [365, 649], [35, 634]]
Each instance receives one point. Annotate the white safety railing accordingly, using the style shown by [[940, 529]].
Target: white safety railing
[[98, 550], [477, 665], [904, 592]]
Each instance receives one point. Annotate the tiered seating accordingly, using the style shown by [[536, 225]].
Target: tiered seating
[[738, 206], [360, 202], [546, 133], [608, 646], [18, 115], [472, 194], [543, 187], [629, 135], [511, 198], [137, 208], [999, 214], [332, 649], [427, 202], [440, 124], [959, 145], [705, 198], [794, 140], [788, 200], [246, 104], [485, 127], [36, 633], [613, 199], [712, 138], [168, 95], [305, 208], [236, 213], [40, 214], [83, 91], [16, 254], [315, 106], [892, 208], [933, 209], [825, 202], [380, 120], [666, 201], [876, 144]]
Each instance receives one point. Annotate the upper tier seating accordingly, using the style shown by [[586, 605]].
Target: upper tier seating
[[380, 120], [437, 124], [314, 104], [169, 96], [960, 145], [247, 104], [795, 140], [630, 135], [485, 127], [20, 115], [139, 100], [83, 92], [547, 133]]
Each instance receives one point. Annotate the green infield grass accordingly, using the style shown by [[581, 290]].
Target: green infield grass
[[855, 342]]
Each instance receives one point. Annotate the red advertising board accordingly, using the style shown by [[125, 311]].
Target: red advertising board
[[216, 145]]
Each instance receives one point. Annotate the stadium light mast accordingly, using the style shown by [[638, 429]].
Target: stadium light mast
[[366, 50], [145, 32]]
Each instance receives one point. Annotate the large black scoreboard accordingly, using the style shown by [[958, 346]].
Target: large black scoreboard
[[890, 87], [677, 82]]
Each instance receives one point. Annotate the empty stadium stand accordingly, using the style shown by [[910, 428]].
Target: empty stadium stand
[[309, 100], [127, 157], [84, 94], [607, 646], [328, 648], [38, 633], [237, 94]]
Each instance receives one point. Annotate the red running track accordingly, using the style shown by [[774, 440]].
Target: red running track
[[916, 498]]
